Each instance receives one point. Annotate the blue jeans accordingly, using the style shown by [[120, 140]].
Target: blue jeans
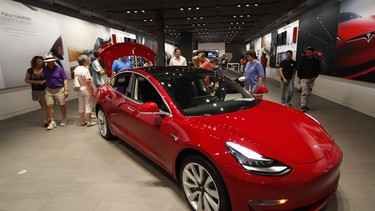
[[284, 86]]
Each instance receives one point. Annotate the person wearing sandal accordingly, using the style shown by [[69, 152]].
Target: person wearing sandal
[[35, 77], [85, 92]]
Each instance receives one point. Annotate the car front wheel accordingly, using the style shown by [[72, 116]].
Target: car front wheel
[[103, 125], [202, 184]]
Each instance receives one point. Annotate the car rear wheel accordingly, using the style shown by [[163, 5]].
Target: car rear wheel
[[103, 125], [203, 186]]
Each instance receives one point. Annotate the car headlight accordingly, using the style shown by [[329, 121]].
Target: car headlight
[[256, 163]]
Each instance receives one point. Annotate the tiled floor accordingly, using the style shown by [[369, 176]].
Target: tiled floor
[[73, 168]]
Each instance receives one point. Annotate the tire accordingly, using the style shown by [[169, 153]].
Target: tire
[[203, 186], [103, 125]]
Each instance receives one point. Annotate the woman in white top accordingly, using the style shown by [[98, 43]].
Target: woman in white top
[[86, 90]]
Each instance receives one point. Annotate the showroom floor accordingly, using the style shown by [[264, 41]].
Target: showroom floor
[[73, 168]]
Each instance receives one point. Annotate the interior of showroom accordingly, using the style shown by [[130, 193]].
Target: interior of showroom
[[334, 28]]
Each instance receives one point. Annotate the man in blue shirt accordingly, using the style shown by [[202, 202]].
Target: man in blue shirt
[[121, 64]]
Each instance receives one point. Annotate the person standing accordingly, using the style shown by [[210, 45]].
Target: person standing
[[254, 72], [35, 77], [86, 91], [287, 69], [121, 64], [97, 71], [264, 61], [308, 70], [56, 91], [177, 60], [242, 63]]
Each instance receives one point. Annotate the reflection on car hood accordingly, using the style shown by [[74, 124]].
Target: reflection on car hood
[[281, 130]]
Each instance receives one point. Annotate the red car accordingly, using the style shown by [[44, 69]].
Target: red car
[[228, 150], [355, 48]]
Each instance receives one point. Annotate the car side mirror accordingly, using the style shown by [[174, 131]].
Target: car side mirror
[[149, 107]]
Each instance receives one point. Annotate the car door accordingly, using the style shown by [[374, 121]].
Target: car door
[[119, 100], [150, 131]]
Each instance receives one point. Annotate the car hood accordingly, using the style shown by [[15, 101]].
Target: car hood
[[362, 26], [279, 130]]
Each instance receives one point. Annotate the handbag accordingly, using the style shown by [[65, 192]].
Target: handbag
[[77, 84]]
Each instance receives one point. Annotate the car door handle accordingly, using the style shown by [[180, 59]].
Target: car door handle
[[130, 109]]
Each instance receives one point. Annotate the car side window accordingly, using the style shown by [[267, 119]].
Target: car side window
[[123, 83], [145, 92]]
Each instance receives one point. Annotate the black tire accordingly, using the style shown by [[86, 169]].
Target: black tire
[[208, 194], [104, 130]]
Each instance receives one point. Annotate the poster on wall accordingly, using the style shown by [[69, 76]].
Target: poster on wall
[[319, 30], [26, 31], [355, 46]]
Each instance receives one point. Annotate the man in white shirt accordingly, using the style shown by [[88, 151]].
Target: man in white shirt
[[177, 60]]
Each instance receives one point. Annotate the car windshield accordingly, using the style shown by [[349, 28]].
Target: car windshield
[[347, 16], [205, 93]]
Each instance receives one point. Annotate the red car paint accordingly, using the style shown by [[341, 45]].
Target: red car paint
[[355, 48]]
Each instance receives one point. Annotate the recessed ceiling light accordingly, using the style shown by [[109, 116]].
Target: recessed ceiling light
[[256, 4], [143, 11], [239, 5], [128, 11], [197, 8], [181, 8]]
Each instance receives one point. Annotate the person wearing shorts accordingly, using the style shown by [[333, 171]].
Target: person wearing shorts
[[56, 91]]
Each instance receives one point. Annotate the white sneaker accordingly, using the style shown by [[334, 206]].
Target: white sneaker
[[51, 125], [63, 122]]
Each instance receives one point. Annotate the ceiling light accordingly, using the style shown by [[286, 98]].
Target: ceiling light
[[135, 11], [189, 8], [143, 11], [197, 8], [188, 18], [201, 17], [247, 5], [234, 16], [181, 8], [128, 11], [239, 5], [256, 4], [150, 19]]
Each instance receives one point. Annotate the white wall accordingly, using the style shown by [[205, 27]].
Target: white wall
[[356, 95], [220, 46], [16, 101]]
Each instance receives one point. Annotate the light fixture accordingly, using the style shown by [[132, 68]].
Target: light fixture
[[181, 8]]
